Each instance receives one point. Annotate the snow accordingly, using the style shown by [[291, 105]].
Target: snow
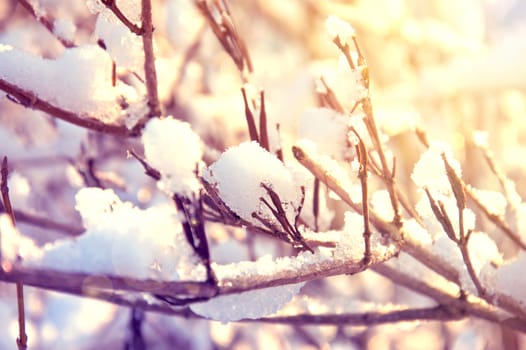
[[175, 150], [263, 302], [64, 29], [322, 124], [430, 172], [182, 22], [238, 176], [483, 251], [325, 214], [423, 208], [123, 46], [480, 138], [510, 278], [406, 44], [121, 239], [493, 201], [81, 79], [130, 8], [345, 173], [381, 204], [253, 304], [338, 28], [347, 84], [19, 189], [13, 244]]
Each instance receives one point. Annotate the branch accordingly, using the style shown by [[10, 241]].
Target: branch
[[471, 305], [263, 131], [111, 289], [22, 337], [79, 283], [46, 22], [112, 6], [149, 59], [226, 33], [385, 228], [437, 313], [496, 219], [362, 175], [251, 123], [463, 239], [45, 223], [31, 100], [367, 107]]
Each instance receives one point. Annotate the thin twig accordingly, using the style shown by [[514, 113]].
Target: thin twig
[[362, 175], [251, 123], [501, 177], [496, 219], [135, 339], [463, 238], [346, 50], [148, 170], [31, 100], [402, 196], [227, 34], [471, 305], [194, 229], [437, 313], [189, 55], [263, 128], [316, 203], [22, 337], [385, 228], [328, 98], [47, 22], [367, 107], [112, 6], [150, 73], [388, 175], [218, 211], [46, 223], [75, 283], [470, 192]]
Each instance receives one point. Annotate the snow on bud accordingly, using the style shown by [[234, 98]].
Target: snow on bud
[[238, 177], [173, 148], [338, 28]]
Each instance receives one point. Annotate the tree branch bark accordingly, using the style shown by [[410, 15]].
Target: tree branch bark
[[30, 100]]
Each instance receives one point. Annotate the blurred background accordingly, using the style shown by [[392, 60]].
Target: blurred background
[[450, 68]]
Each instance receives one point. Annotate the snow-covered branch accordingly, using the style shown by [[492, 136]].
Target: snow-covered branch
[[31, 100], [191, 160]]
